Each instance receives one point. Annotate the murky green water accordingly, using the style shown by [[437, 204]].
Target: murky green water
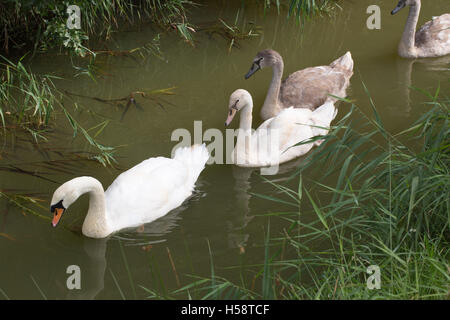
[[223, 211]]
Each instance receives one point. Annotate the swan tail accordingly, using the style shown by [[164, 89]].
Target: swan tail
[[194, 157], [325, 113], [344, 63], [322, 118]]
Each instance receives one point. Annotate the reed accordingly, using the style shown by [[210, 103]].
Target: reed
[[301, 9], [43, 23], [28, 101], [41, 26], [25, 96]]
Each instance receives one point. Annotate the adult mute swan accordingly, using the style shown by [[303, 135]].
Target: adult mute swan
[[139, 195], [272, 143], [431, 40], [308, 88]]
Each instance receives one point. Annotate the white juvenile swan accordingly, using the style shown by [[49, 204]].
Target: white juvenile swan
[[139, 195], [308, 88], [431, 40], [271, 143]]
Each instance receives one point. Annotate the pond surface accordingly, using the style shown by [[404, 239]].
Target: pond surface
[[224, 214]]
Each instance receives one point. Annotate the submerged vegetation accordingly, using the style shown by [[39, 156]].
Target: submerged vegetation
[[231, 33], [389, 207]]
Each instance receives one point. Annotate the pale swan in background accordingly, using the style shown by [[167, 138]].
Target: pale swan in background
[[271, 143], [139, 195], [431, 40], [308, 88]]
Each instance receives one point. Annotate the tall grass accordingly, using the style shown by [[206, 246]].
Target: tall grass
[[388, 206], [43, 23], [302, 9], [25, 96], [28, 101]]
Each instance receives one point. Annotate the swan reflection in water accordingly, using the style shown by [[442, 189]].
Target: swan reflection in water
[[94, 265], [236, 225], [405, 68]]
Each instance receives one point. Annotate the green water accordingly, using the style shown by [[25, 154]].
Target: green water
[[224, 211]]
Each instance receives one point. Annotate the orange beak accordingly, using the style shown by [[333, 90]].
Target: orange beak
[[57, 216]]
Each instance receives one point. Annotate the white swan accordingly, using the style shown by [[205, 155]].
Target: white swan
[[139, 195], [272, 143], [431, 40], [308, 88]]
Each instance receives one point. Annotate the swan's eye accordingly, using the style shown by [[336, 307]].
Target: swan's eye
[[234, 106], [58, 205], [231, 111], [258, 62]]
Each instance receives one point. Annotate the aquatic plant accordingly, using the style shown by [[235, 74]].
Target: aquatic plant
[[28, 101], [232, 33], [301, 9], [43, 23]]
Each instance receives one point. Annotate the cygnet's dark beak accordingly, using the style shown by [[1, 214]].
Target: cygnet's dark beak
[[255, 67], [400, 6]]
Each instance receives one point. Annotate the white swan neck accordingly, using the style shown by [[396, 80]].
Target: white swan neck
[[271, 105], [407, 44], [246, 117], [95, 224], [243, 143]]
